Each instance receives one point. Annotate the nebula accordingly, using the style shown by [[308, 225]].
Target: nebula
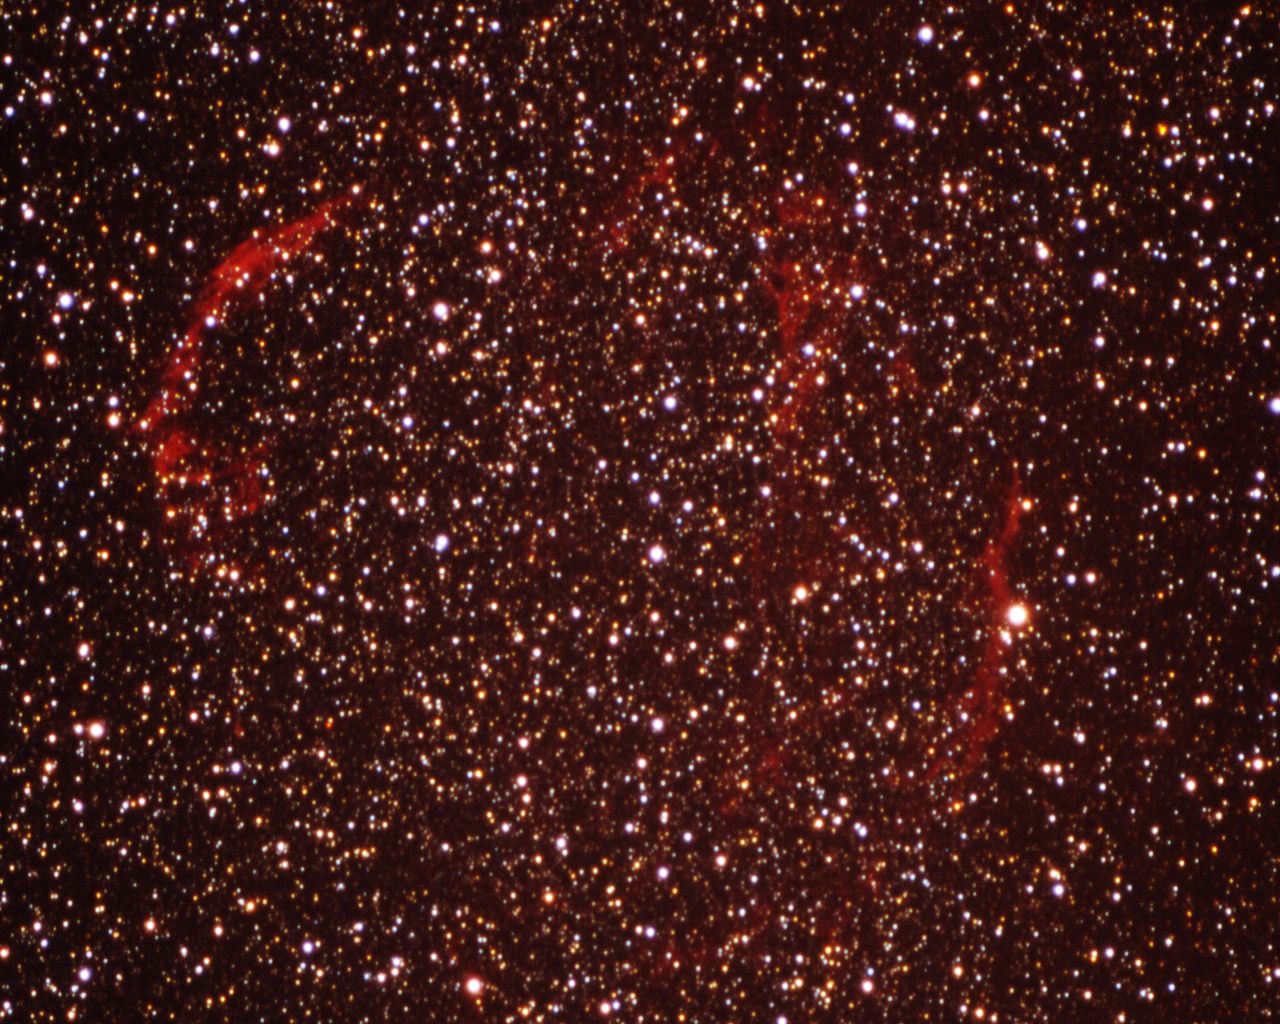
[[201, 480]]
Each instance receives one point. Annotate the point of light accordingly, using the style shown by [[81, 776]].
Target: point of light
[[474, 986], [1017, 615]]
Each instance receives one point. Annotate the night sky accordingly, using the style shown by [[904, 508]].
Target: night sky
[[729, 513]]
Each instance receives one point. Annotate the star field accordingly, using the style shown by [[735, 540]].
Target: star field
[[747, 513]]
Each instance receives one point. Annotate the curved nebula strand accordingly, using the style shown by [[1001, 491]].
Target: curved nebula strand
[[210, 475]]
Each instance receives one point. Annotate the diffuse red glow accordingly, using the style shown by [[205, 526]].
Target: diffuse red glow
[[243, 274], [808, 281], [981, 703], [807, 270], [215, 480]]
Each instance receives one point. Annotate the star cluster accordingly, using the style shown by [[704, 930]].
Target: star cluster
[[753, 513]]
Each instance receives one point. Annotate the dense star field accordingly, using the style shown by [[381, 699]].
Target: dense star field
[[716, 513]]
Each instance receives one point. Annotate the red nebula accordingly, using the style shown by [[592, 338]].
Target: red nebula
[[242, 274], [981, 702], [218, 482], [808, 285]]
